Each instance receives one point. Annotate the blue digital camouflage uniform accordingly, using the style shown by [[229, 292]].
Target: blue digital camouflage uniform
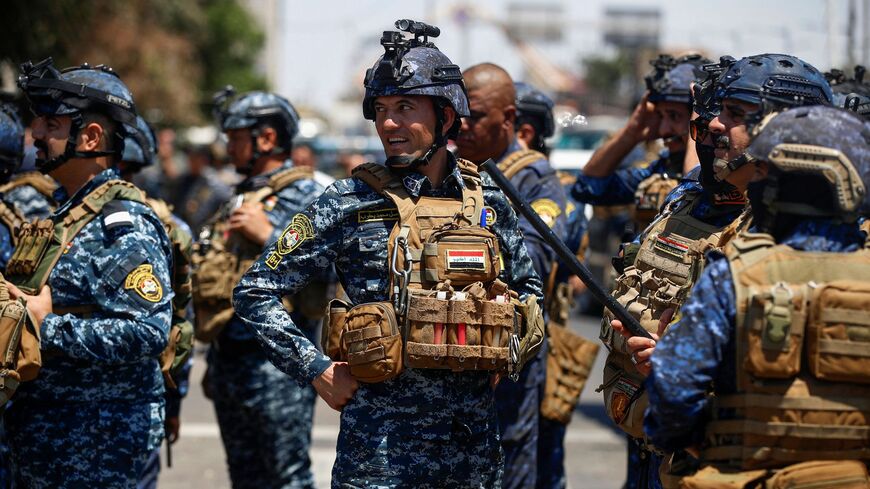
[[619, 187], [6, 245], [264, 417], [518, 403], [699, 350], [96, 410], [30, 202], [424, 428]]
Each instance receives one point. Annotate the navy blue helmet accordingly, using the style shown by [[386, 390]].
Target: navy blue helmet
[[11, 142], [534, 105], [671, 78], [140, 145], [73, 92]]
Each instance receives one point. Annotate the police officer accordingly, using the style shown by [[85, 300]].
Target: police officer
[[11, 153], [662, 114], [140, 150], [30, 192], [264, 417], [99, 294], [659, 268], [422, 427], [772, 327]]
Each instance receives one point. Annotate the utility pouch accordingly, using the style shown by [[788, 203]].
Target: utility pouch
[[371, 342], [712, 478], [842, 474], [569, 359], [463, 255], [214, 273], [624, 396], [177, 351], [531, 334], [34, 239], [333, 323], [775, 321], [19, 344], [838, 334], [468, 330], [650, 196]]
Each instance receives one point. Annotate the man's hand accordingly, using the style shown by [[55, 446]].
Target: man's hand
[[641, 349], [643, 125], [173, 428], [39, 306], [251, 220], [335, 385]]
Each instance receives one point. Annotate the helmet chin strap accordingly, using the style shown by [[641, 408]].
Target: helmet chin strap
[[47, 166]]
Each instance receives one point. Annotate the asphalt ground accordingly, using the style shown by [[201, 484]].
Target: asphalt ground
[[594, 451]]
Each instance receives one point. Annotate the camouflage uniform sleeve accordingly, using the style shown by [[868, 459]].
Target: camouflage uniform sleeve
[[128, 277], [518, 272], [306, 247], [292, 199], [696, 352], [546, 197], [615, 189], [6, 247]]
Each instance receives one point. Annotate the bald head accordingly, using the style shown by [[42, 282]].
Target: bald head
[[494, 81], [491, 98]]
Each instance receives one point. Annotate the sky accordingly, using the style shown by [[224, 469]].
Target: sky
[[324, 47]]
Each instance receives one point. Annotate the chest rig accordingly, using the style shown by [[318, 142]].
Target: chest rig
[[649, 198], [220, 257], [667, 265], [447, 309], [803, 358]]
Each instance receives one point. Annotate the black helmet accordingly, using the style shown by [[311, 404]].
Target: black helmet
[[416, 67], [535, 107], [770, 81], [140, 145], [72, 92], [671, 78], [851, 93], [11, 142], [823, 148]]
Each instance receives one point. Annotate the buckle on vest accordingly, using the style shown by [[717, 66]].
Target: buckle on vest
[[777, 315]]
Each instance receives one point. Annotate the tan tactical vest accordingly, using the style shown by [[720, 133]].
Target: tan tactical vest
[[220, 257], [803, 358], [448, 309], [43, 184], [649, 197], [668, 263]]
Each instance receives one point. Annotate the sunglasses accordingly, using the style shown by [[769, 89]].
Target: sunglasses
[[699, 128]]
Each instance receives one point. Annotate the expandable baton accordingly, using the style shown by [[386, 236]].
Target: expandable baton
[[628, 321]]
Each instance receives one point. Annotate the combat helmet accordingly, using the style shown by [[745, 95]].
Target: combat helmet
[[416, 67], [770, 81], [851, 93], [11, 142], [671, 78], [819, 165], [140, 145], [73, 92], [536, 108], [254, 110]]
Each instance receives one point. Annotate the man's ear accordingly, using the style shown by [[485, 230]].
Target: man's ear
[[449, 119], [267, 140], [92, 138], [510, 115]]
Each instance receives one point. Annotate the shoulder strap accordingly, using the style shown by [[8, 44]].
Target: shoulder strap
[[94, 202], [376, 176], [516, 161], [12, 219], [283, 178], [40, 182], [162, 209]]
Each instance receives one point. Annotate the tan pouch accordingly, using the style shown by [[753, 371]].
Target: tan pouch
[[838, 334], [624, 396], [371, 342], [462, 255], [19, 344], [775, 322], [712, 478], [840, 474], [569, 359], [333, 323]]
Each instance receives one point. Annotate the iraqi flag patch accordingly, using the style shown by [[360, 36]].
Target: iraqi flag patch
[[466, 260], [672, 245]]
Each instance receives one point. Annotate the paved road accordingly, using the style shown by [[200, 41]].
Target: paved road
[[595, 453]]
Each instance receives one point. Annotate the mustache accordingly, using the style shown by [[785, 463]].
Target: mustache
[[41, 145], [722, 141]]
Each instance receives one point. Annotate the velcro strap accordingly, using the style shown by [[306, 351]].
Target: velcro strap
[[362, 334], [367, 356], [847, 316], [742, 401], [664, 264], [843, 347]]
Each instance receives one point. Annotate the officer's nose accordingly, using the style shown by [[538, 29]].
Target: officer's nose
[[390, 123], [716, 126]]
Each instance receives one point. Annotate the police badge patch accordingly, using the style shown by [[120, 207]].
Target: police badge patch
[[299, 229], [143, 281], [548, 209], [621, 399]]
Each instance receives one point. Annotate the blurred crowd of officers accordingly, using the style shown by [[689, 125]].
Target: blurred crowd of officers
[[413, 298]]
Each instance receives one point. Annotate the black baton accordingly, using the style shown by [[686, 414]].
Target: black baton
[[570, 259]]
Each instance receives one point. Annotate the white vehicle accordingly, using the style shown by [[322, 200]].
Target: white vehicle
[[575, 144]]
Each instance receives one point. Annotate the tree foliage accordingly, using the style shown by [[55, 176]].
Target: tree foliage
[[172, 54]]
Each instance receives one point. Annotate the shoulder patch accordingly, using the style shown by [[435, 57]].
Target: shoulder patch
[[548, 209], [115, 215], [299, 230], [491, 216], [143, 281]]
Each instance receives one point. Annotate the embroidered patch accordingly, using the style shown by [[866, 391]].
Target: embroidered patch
[[731, 198], [620, 399], [145, 283], [269, 203], [466, 260], [648, 201], [377, 215], [548, 209], [672, 245], [491, 216], [299, 229], [273, 260]]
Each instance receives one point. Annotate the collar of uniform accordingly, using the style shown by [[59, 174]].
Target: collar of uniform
[[823, 235], [418, 184], [66, 201], [513, 147], [260, 181]]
